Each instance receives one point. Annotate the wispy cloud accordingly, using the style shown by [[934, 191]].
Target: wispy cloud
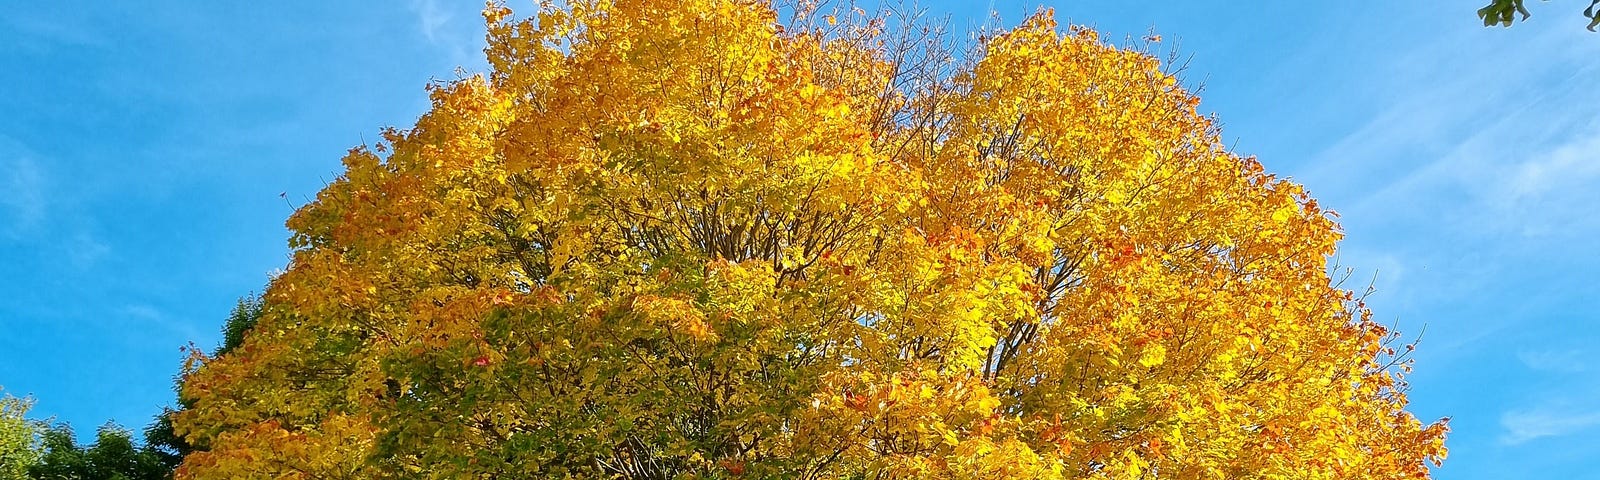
[[36, 31], [1525, 139], [22, 190], [1553, 190], [153, 317], [441, 24], [85, 250], [1553, 360], [430, 18], [1522, 426], [1464, 178]]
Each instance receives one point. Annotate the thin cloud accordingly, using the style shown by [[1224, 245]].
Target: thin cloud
[[430, 18], [86, 250], [1522, 426], [1464, 174], [52, 31], [1560, 361], [152, 316], [437, 23], [22, 191], [1554, 191], [1500, 146]]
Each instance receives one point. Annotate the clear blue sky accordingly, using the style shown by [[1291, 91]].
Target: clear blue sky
[[143, 147]]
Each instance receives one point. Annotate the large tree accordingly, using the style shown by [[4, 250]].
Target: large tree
[[718, 239]]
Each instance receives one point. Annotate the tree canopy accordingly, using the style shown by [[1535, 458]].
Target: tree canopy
[[114, 455], [33, 450], [719, 239]]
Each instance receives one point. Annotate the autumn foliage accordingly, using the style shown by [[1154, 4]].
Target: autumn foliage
[[719, 239]]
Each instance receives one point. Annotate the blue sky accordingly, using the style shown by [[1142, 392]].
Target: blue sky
[[143, 147]]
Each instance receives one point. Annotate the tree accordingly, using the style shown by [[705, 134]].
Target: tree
[[1505, 13], [33, 450], [687, 239], [113, 456], [19, 438]]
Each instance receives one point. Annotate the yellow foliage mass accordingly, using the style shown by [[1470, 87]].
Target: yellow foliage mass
[[715, 239]]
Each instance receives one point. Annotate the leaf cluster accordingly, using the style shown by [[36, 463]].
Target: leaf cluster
[[1505, 13]]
